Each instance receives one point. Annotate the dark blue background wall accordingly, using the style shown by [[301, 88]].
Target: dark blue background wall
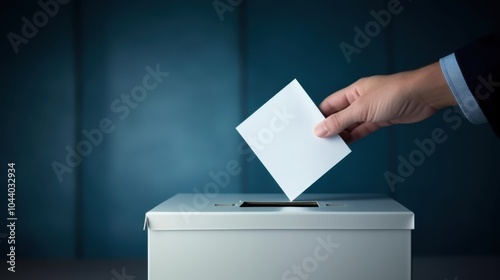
[[72, 74]]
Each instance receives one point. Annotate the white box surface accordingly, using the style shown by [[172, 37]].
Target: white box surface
[[344, 237]]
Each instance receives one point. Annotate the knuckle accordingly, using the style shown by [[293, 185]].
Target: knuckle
[[361, 80]]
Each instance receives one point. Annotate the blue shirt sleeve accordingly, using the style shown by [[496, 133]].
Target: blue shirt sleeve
[[460, 90]]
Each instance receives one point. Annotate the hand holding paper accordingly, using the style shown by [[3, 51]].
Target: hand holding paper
[[281, 135]]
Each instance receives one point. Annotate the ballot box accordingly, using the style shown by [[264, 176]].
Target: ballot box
[[268, 237]]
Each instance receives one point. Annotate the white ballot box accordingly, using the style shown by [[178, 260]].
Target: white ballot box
[[268, 237]]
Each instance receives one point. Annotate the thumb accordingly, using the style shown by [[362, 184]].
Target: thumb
[[335, 123]]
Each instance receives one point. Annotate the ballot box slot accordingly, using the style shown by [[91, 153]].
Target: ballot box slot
[[335, 204], [279, 204]]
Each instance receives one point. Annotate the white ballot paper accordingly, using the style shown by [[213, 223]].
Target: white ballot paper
[[281, 135]]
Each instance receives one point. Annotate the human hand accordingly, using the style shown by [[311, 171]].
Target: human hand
[[379, 101]]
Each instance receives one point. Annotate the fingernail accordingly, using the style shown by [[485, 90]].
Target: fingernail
[[320, 130]]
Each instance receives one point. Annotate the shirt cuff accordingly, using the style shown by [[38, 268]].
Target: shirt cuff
[[460, 90]]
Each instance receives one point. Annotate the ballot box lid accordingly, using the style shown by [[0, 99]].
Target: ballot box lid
[[216, 211]]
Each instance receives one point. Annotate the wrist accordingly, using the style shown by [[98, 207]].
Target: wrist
[[432, 87]]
